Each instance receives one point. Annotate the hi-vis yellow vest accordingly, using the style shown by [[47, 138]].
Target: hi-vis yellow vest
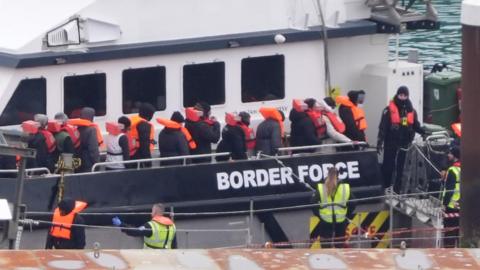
[[456, 194], [163, 232], [334, 208]]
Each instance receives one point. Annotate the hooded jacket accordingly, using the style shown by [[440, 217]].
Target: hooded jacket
[[302, 130], [346, 114], [88, 150]]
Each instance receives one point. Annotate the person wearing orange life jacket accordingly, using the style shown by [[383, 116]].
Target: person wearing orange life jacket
[[42, 141], [352, 115], [233, 139], [65, 135], [63, 233], [204, 129], [334, 124], [90, 139], [397, 129], [142, 133], [307, 126], [249, 132], [270, 132], [178, 117], [117, 142], [172, 141], [158, 233]]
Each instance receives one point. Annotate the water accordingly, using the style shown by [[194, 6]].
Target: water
[[438, 46]]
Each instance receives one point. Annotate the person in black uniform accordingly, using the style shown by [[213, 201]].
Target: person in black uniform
[[172, 142], [302, 130], [233, 141], [144, 131], [397, 129]]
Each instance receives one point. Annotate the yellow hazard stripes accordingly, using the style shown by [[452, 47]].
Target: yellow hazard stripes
[[373, 227]]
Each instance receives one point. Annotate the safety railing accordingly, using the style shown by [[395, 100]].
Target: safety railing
[[28, 172], [320, 146], [138, 162]]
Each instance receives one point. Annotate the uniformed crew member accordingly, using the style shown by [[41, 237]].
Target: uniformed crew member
[[336, 208], [451, 197], [63, 233], [158, 233]]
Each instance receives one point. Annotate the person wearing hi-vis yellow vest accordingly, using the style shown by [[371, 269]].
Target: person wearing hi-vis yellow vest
[[335, 209], [451, 197], [158, 233]]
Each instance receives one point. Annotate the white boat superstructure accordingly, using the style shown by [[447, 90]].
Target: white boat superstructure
[[61, 55]]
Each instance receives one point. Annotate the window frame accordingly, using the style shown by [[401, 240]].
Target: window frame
[[98, 73], [223, 82]]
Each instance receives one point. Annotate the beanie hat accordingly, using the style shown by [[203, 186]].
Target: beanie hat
[[402, 90], [177, 117], [310, 102], [61, 117], [87, 113], [42, 119]]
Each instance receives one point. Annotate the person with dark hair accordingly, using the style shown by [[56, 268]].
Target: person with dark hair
[[172, 141], [158, 233], [396, 131], [306, 124], [142, 133], [451, 197], [64, 234], [335, 208], [204, 129], [233, 139], [43, 142], [117, 141], [178, 118], [352, 115], [248, 131], [270, 132]]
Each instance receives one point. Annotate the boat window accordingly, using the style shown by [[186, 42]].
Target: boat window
[[204, 82], [144, 85], [84, 91], [29, 98], [263, 78]]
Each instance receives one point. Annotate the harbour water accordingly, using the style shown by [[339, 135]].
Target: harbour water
[[440, 46]]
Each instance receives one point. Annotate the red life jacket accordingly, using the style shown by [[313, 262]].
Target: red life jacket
[[62, 225], [175, 125], [79, 122], [457, 164], [457, 129], [73, 133], [49, 140], [395, 116], [135, 120], [335, 120], [358, 113], [320, 125], [249, 136]]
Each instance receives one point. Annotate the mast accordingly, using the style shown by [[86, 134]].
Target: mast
[[470, 148]]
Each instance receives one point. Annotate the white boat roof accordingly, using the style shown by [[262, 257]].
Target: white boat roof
[[112, 27]]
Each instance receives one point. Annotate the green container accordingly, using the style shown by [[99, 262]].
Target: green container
[[440, 98]]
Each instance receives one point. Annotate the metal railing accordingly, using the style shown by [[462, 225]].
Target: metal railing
[[320, 146], [138, 162], [27, 171]]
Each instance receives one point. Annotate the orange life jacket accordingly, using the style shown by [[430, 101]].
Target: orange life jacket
[[358, 113], [299, 105], [135, 120], [320, 125], [395, 116], [175, 125], [73, 133], [335, 120], [273, 113], [457, 128], [79, 122], [49, 140], [62, 225], [249, 136], [163, 220]]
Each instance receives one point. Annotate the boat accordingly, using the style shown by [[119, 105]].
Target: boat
[[236, 55]]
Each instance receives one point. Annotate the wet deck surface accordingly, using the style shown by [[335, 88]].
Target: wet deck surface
[[239, 259]]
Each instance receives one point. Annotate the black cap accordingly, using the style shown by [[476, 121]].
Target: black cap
[[330, 102], [310, 102], [455, 151], [177, 117], [402, 90]]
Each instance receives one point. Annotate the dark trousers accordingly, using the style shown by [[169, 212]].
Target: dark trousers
[[393, 161], [451, 239], [331, 234]]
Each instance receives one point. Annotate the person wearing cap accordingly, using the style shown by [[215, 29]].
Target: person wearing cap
[[352, 115], [270, 132], [204, 131], [397, 129], [88, 151], [451, 196], [142, 132], [233, 139], [44, 143], [63, 233], [118, 145], [172, 142], [158, 233]]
